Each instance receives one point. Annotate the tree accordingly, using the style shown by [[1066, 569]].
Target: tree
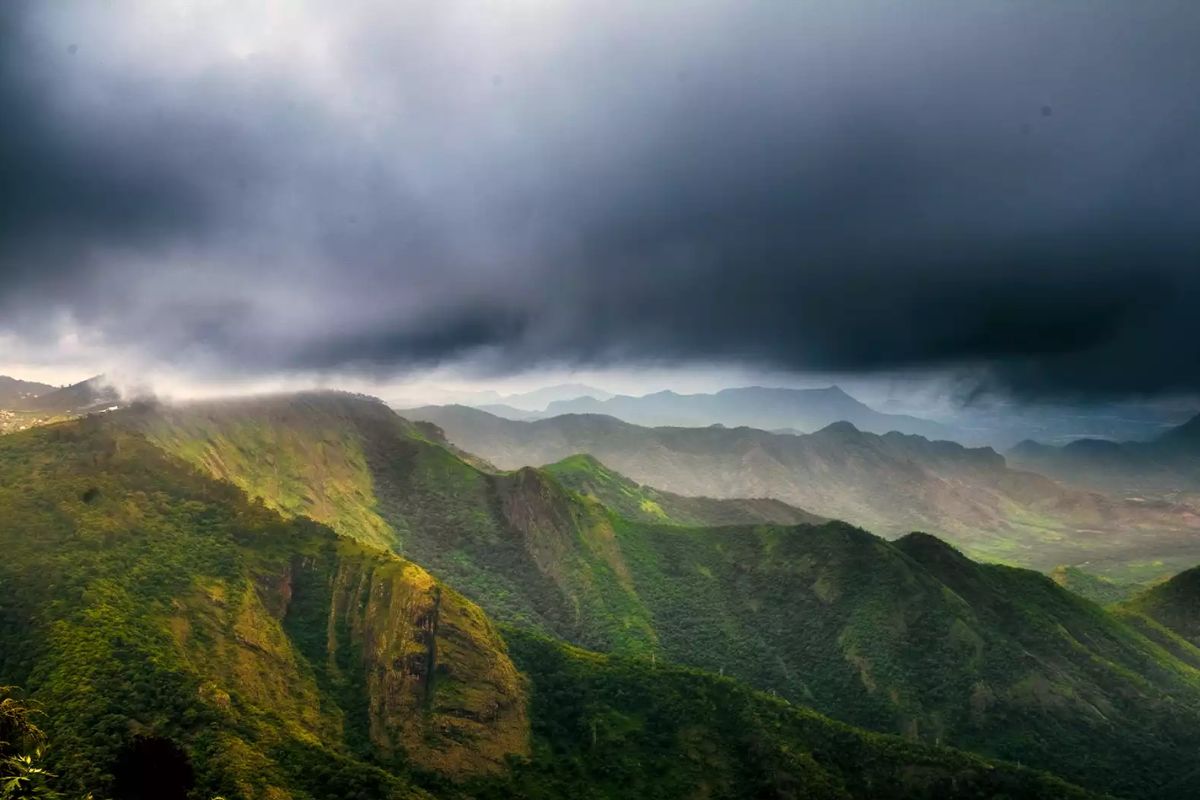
[[22, 750]]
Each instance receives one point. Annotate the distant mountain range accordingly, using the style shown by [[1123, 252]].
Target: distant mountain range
[[534, 401], [539, 399], [94, 394], [1169, 463], [90, 395], [1003, 424], [804, 410], [890, 484], [995, 424]]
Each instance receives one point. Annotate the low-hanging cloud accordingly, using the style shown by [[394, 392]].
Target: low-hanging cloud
[[1008, 188]]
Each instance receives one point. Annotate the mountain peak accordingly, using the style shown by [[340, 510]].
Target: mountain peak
[[840, 428]]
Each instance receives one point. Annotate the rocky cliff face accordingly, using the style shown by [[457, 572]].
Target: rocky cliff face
[[439, 685], [363, 649]]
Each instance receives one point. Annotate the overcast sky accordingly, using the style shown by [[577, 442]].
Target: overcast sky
[[1004, 193]]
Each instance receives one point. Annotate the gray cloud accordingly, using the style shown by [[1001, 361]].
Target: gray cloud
[[1012, 189]]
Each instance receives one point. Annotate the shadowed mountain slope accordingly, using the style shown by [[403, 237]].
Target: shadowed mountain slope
[[1174, 604], [1170, 463]]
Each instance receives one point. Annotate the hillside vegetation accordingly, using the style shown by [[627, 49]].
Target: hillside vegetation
[[587, 476], [1096, 588], [907, 637], [177, 633], [1174, 604], [142, 600]]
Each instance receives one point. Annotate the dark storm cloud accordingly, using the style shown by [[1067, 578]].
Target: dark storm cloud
[[69, 186], [1009, 188]]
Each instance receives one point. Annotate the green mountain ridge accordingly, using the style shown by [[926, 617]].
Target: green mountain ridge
[[1174, 604], [1096, 588], [587, 476], [899, 637], [151, 609]]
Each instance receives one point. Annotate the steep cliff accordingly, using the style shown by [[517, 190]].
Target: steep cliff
[[143, 601]]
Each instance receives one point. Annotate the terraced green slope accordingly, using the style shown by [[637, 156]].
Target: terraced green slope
[[879, 634], [157, 615]]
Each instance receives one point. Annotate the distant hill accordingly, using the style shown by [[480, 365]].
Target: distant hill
[[890, 484], [93, 394], [539, 399], [755, 406], [1004, 424], [908, 637], [15, 398], [16, 393], [584, 474], [507, 411], [1174, 604], [1169, 463], [534, 401], [1096, 588]]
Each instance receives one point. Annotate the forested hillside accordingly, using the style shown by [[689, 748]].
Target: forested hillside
[[181, 637], [908, 637]]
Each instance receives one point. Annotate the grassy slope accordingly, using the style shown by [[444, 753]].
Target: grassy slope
[[829, 616], [322, 473], [1096, 588], [143, 599], [587, 476], [1173, 604]]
